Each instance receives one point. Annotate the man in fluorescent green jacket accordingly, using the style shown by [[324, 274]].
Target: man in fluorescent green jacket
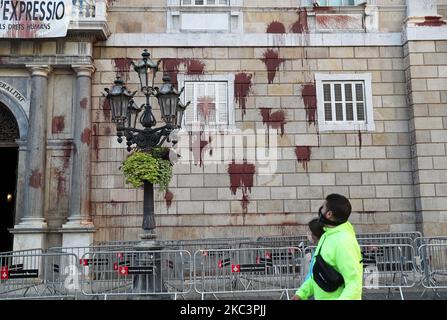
[[340, 250]]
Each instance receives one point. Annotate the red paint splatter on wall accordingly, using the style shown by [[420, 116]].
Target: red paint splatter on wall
[[205, 105], [58, 124], [35, 180], [303, 155], [86, 136], [106, 109], [275, 120], [67, 153], [276, 27], [122, 68], [84, 103], [301, 25], [334, 21], [360, 139], [242, 88], [172, 67], [272, 62], [241, 176], [197, 146], [61, 182], [95, 141], [194, 66], [107, 131], [310, 102], [431, 22], [169, 196]]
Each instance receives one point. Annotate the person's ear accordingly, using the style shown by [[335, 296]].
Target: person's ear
[[329, 215]]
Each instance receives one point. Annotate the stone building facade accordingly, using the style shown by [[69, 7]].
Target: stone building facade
[[352, 93]]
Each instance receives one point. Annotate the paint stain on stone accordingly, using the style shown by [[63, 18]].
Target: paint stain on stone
[[242, 88], [430, 21], [241, 176], [275, 120], [107, 131], [35, 180], [86, 136], [172, 67], [67, 153], [303, 155], [272, 62], [334, 21], [360, 139], [106, 109], [95, 141], [61, 182], [276, 27], [205, 106], [122, 68], [197, 146], [169, 196], [84, 103], [58, 124], [310, 102], [194, 67], [301, 25]]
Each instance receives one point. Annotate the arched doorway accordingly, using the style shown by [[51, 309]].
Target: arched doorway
[[9, 133]]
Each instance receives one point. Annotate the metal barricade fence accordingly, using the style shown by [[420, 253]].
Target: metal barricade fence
[[245, 270], [385, 266], [408, 234], [132, 273], [37, 275], [434, 259]]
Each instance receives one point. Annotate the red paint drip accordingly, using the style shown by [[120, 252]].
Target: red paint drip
[[106, 109], [61, 182], [86, 136], [169, 196], [171, 66], [122, 68], [360, 138], [272, 62], [95, 141], [58, 124], [194, 66], [197, 146], [303, 155], [35, 180], [67, 154], [84, 103], [430, 21], [276, 27], [339, 20], [242, 88], [204, 106], [241, 176], [310, 102], [275, 120], [301, 25]]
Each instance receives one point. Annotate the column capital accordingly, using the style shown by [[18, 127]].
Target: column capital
[[83, 70], [39, 70]]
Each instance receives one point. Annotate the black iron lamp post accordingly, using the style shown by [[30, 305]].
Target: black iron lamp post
[[126, 115]]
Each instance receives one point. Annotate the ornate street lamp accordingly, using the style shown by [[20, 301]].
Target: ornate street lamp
[[126, 115]]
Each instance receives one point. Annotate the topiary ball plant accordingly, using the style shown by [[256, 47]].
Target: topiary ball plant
[[148, 166]]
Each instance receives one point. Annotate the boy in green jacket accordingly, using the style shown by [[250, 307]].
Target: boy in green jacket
[[340, 250]]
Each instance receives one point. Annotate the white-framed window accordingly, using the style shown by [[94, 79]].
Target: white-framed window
[[338, 3], [212, 101], [205, 2], [344, 102]]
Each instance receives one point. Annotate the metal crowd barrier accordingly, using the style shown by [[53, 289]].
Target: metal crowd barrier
[[222, 271], [136, 273], [434, 260], [32, 274]]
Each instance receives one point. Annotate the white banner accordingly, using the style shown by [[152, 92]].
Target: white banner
[[28, 19]]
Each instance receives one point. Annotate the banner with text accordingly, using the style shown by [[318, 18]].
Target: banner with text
[[28, 19]]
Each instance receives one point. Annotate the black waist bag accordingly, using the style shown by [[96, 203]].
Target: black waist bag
[[325, 275]]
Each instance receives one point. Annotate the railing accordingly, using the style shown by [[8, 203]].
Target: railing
[[90, 9]]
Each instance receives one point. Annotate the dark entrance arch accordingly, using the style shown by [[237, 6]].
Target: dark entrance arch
[[9, 133]]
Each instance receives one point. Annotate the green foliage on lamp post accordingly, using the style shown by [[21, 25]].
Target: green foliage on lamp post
[[153, 166]]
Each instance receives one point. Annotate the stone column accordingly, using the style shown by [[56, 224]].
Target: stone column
[[78, 231], [31, 231]]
